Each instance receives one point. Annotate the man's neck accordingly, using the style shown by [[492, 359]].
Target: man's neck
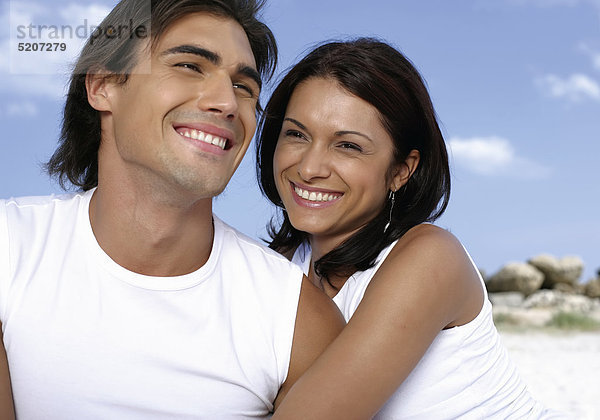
[[144, 234]]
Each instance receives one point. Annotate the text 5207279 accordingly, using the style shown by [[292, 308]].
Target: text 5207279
[[41, 46]]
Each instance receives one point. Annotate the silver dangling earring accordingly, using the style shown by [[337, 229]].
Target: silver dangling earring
[[392, 197]]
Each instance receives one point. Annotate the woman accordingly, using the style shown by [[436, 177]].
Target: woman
[[351, 152]]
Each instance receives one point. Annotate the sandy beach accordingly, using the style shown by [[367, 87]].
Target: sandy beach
[[562, 369]]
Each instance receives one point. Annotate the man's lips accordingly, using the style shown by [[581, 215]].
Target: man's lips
[[216, 136]]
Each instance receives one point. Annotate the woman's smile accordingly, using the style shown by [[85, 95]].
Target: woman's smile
[[333, 160], [314, 197]]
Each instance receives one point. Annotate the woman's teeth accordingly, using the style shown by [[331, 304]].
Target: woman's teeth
[[315, 196]]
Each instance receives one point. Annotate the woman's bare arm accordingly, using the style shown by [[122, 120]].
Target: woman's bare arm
[[7, 409], [427, 283], [318, 323]]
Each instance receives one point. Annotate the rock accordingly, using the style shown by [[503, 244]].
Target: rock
[[516, 277], [565, 270], [574, 289], [508, 299], [560, 301], [521, 317], [592, 288]]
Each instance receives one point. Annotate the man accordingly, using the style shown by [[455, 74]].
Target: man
[[129, 299]]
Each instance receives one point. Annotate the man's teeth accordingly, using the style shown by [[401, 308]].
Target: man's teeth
[[314, 196], [206, 138]]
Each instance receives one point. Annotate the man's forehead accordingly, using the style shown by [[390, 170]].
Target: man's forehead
[[219, 34]]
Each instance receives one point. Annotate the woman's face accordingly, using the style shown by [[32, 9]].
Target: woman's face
[[333, 164]]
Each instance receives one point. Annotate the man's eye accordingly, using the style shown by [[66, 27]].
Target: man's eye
[[190, 66], [246, 90]]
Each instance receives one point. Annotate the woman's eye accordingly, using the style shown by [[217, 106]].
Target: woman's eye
[[294, 133], [350, 146]]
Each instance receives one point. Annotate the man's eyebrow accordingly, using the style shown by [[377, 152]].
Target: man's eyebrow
[[215, 59], [192, 49], [251, 73]]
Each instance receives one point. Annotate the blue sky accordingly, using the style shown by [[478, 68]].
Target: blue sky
[[516, 85]]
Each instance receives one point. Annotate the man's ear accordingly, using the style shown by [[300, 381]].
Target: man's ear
[[404, 171], [98, 86]]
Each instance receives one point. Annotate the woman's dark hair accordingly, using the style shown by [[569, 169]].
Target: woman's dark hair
[[114, 47], [379, 74]]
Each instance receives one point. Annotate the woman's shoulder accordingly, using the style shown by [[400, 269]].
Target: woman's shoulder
[[429, 242], [432, 251], [431, 263]]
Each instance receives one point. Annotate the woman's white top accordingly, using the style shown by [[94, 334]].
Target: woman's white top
[[465, 373]]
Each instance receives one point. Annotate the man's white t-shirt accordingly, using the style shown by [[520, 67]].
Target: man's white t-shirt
[[88, 339]]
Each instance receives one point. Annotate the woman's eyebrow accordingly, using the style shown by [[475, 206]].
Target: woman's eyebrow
[[337, 133], [293, 121], [357, 133]]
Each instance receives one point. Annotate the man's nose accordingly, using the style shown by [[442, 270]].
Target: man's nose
[[218, 97]]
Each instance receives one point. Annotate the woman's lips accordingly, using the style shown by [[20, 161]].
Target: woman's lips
[[314, 198]]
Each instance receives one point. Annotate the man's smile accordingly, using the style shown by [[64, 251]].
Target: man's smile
[[202, 136]]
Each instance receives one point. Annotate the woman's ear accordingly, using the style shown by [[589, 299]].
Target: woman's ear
[[404, 171], [98, 85]]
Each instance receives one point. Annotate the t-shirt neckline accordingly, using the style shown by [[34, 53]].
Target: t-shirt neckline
[[98, 257]]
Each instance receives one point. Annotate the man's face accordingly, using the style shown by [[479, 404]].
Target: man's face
[[187, 125]]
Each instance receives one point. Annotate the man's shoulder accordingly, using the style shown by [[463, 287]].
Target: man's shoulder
[[233, 236], [255, 252], [39, 201], [28, 211]]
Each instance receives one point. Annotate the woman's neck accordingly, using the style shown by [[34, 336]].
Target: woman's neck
[[332, 285], [320, 246]]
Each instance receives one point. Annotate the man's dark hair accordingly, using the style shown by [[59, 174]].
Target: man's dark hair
[[76, 159], [379, 74]]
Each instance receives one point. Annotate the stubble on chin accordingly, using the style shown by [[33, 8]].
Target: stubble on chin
[[200, 181]]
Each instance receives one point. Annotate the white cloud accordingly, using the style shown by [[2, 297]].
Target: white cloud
[[50, 86], [554, 3], [43, 74], [33, 86], [4, 18], [592, 54], [575, 88], [4, 65], [483, 155], [547, 3], [21, 109], [93, 13], [595, 4], [66, 27], [493, 156]]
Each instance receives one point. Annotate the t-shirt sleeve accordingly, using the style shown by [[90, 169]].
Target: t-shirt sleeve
[[4, 259], [291, 282]]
